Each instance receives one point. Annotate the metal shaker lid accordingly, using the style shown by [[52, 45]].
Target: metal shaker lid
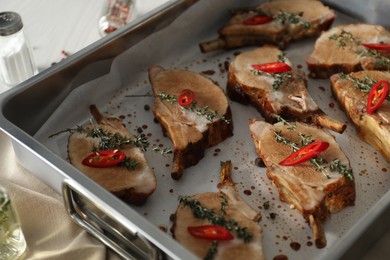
[[10, 23]]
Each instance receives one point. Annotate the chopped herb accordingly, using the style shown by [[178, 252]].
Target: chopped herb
[[129, 163], [344, 38], [279, 78], [266, 205], [286, 17]]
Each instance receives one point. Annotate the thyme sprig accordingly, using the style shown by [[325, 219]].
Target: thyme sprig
[[291, 126], [279, 78], [164, 151], [291, 18], [166, 97], [108, 140], [383, 62], [129, 163], [344, 39], [224, 204], [337, 166], [205, 111], [212, 250], [204, 213], [364, 85], [320, 163]]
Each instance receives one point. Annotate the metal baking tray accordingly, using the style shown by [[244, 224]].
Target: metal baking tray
[[108, 71]]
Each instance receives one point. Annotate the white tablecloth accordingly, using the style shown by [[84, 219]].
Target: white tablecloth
[[53, 26]]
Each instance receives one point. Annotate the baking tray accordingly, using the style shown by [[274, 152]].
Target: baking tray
[[113, 68]]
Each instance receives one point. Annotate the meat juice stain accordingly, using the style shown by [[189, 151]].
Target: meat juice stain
[[247, 192], [295, 246], [280, 257], [164, 228]]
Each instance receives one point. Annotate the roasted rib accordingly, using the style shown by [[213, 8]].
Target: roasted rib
[[351, 91], [303, 18], [314, 188], [133, 185], [226, 206], [287, 97], [340, 49], [192, 129]]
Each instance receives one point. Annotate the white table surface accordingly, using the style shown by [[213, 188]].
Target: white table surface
[[70, 25]]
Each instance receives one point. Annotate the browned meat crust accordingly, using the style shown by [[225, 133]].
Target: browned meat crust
[[291, 100], [303, 186], [235, 209], [339, 50], [375, 128], [315, 18], [131, 185]]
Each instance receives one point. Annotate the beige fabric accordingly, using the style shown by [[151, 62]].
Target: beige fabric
[[49, 231]]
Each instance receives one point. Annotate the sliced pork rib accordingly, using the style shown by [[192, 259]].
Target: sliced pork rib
[[226, 207], [289, 22], [313, 192], [203, 123], [132, 184], [287, 97], [341, 49], [351, 92]]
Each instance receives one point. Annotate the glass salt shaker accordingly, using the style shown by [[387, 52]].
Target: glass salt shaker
[[12, 242], [16, 60], [118, 14]]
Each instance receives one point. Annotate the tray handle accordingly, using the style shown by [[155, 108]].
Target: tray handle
[[127, 243]]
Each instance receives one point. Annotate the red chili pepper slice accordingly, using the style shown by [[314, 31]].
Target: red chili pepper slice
[[305, 153], [186, 98], [272, 67], [211, 232], [377, 46], [377, 96], [104, 158], [258, 19]]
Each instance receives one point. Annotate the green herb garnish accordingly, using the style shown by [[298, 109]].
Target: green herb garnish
[[205, 111], [204, 213], [344, 38], [320, 163], [279, 78], [286, 17], [212, 251]]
